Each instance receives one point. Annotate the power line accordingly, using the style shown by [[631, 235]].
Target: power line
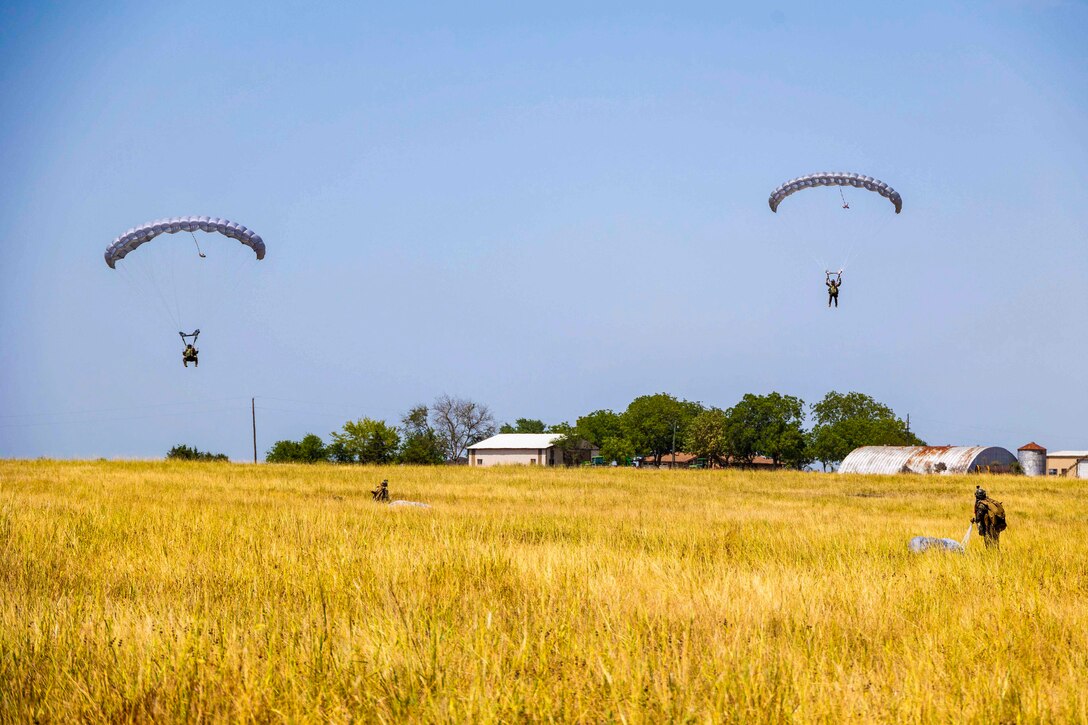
[[90, 421], [121, 409]]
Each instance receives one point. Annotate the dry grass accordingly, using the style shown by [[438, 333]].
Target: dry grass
[[167, 591]]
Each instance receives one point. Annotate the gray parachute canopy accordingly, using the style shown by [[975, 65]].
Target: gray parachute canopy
[[146, 232], [835, 178]]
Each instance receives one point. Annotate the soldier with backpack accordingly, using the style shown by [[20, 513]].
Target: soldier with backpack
[[189, 354], [833, 288], [989, 516], [381, 493]]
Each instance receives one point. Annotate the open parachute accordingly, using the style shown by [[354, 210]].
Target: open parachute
[[837, 178], [136, 236]]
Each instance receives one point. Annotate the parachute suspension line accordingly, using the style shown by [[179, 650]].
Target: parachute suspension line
[[202, 255], [138, 289], [244, 262], [174, 286], [165, 301], [876, 233], [153, 283], [129, 280]]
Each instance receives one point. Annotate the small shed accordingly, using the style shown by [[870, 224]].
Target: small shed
[[944, 460]]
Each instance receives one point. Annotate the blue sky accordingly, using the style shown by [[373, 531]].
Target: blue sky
[[550, 210]]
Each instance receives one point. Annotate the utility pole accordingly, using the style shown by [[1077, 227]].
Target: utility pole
[[674, 445], [253, 414], [908, 422]]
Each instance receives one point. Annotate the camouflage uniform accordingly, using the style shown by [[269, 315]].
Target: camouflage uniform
[[833, 291], [990, 517], [189, 356], [381, 493]]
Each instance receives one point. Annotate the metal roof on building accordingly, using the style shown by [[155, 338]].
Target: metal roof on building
[[1033, 446], [527, 441], [946, 460], [1067, 454]]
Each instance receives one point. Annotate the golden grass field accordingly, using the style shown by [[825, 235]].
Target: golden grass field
[[186, 591]]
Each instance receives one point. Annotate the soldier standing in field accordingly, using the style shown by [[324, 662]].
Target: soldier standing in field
[[989, 516]]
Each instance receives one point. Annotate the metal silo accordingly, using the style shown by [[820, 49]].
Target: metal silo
[[1032, 458]]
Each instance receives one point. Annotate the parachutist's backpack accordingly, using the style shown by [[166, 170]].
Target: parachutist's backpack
[[999, 516], [995, 512]]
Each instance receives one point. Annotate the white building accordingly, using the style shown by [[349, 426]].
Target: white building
[[526, 449]]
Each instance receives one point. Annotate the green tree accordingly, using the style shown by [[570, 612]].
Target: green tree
[[603, 430], [843, 422], [368, 441], [574, 449], [524, 425], [598, 426], [652, 422], [339, 452], [706, 436], [616, 448], [311, 449], [771, 425], [183, 452], [421, 444], [284, 451]]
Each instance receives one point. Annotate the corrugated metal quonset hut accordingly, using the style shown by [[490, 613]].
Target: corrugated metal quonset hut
[[945, 460]]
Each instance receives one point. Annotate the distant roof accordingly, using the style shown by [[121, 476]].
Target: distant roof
[[680, 457], [533, 441], [1067, 454], [1033, 446], [689, 457]]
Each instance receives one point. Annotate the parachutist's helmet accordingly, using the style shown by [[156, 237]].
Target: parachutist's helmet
[[980, 493]]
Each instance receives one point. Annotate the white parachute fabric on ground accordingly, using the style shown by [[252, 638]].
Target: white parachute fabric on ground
[[835, 178], [922, 544], [416, 504], [136, 236]]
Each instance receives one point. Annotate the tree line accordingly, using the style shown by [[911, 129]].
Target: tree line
[[772, 426], [182, 452], [427, 435]]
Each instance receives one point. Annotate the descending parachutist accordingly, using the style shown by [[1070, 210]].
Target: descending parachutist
[[130, 241], [833, 287], [189, 355]]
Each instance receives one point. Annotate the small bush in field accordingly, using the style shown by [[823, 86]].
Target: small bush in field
[[183, 452]]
